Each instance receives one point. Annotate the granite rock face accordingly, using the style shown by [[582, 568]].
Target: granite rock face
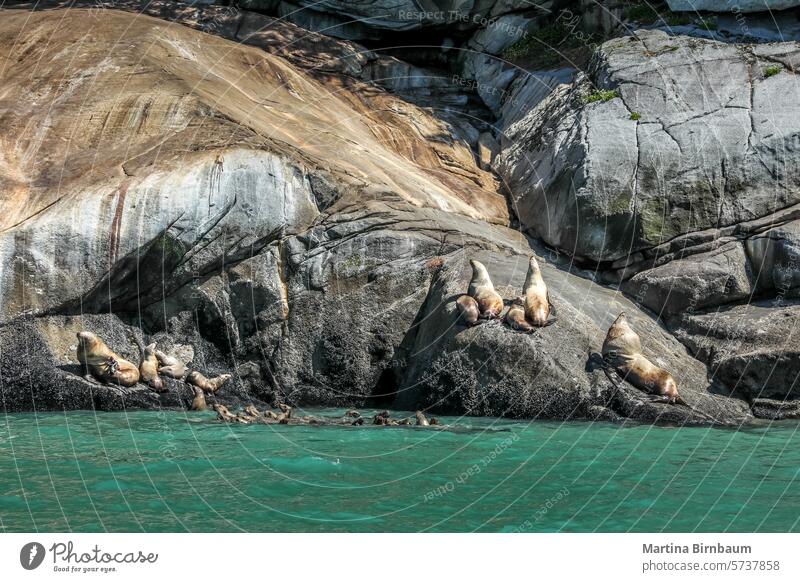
[[738, 5], [669, 136], [263, 210]]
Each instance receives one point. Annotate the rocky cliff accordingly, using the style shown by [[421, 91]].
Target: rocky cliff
[[301, 211]]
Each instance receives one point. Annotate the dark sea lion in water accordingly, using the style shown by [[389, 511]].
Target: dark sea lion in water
[[148, 369], [359, 421], [481, 289], [102, 363], [468, 310], [210, 385], [622, 351], [170, 366], [539, 311]]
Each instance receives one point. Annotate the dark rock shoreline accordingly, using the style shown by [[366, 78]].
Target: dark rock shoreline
[[291, 217]]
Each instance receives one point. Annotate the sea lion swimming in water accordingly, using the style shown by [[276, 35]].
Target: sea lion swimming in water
[[515, 316], [481, 289], [421, 419], [622, 350], [209, 385], [98, 359], [539, 310], [468, 310], [148, 369]]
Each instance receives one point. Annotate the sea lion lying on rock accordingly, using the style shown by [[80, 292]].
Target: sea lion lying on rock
[[170, 366], [622, 351], [468, 310], [148, 369], [515, 317], [481, 289], [102, 363], [208, 385]]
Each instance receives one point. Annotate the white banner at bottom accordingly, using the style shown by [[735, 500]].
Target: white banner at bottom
[[388, 557]]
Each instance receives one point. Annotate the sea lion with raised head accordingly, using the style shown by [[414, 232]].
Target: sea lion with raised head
[[481, 289], [170, 366], [421, 419], [102, 363], [538, 309], [148, 369], [515, 317], [468, 310], [209, 385], [199, 400], [622, 351]]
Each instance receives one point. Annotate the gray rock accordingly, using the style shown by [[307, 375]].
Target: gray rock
[[730, 5], [698, 137], [751, 348], [696, 282]]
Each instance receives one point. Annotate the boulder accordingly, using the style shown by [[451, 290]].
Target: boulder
[[667, 136], [751, 348], [738, 6]]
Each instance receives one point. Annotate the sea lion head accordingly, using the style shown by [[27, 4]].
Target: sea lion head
[[480, 276], [533, 265], [87, 339], [150, 350]]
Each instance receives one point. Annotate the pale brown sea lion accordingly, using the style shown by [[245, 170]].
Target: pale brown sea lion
[[421, 419], [170, 366], [252, 411], [199, 401], [468, 310], [515, 317], [490, 304], [98, 359], [223, 413], [210, 385], [148, 369], [622, 350], [538, 309]]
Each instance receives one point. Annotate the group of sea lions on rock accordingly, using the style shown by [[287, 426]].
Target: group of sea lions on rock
[[251, 415], [103, 364], [622, 348], [621, 353], [530, 311]]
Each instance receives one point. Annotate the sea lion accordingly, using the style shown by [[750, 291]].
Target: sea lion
[[102, 363], [538, 309], [434, 421], [359, 421], [170, 366], [468, 310], [515, 316], [421, 419], [223, 413], [199, 401], [252, 411], [622, 350], [352, 413], [490, 304], [210, 385], [148, 369]]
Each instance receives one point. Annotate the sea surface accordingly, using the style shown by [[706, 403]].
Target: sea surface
[[178, 471]]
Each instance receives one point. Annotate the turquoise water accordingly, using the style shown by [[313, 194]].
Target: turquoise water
[[175, 471]]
